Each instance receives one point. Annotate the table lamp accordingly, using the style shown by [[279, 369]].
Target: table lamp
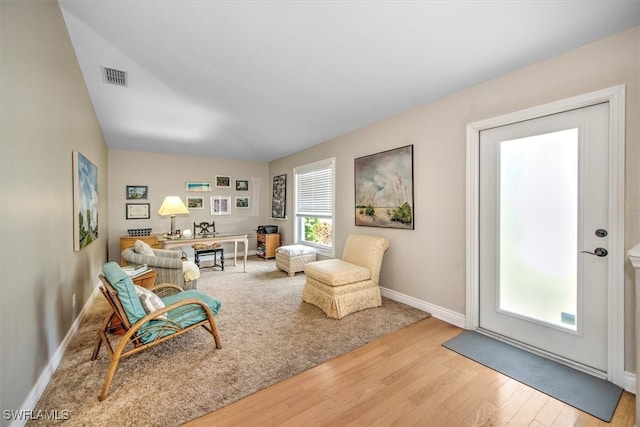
[[173, 206]]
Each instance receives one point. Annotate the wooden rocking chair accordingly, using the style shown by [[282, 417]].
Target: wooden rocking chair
[[183, 311]]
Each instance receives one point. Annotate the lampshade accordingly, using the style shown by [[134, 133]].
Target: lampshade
[[173, 205]]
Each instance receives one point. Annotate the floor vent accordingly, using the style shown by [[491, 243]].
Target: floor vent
[[114, 77]]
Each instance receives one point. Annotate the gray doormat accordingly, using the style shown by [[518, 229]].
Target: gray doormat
[[582, 391]]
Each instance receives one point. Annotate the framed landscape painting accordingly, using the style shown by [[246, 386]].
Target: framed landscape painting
[[195, 202], [85, 201], [137, 192], [384, 189], [197, 186]]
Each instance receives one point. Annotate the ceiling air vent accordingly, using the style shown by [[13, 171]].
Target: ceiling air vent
[[114, 77]]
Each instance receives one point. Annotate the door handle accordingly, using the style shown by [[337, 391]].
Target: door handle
[[600, 252]]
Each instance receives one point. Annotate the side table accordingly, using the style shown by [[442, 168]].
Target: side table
[[146, 280]]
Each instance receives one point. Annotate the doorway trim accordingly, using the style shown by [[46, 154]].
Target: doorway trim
[[615, 96]]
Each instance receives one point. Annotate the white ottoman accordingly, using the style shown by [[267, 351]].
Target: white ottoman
[[292, 258]]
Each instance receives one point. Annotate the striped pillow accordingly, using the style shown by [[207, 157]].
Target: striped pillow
[[150, 301]]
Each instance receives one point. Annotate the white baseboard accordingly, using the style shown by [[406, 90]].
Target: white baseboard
[[629, 382], [441, 313], [458, 319], [43, 380]]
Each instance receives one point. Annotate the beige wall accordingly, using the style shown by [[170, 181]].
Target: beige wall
[[429, 262], [165, 175], [46, 115]]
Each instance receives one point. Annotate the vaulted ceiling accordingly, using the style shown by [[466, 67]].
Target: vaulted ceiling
[[259, 80]]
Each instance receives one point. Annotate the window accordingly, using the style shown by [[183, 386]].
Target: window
[[313, 205]]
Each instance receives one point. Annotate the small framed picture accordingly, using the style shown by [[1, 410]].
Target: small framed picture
[[279, 199], [137, 210], [137, 192], [242, 202], [242, 185], [220, 205], [223, 181], [198, 186], [195, 202]]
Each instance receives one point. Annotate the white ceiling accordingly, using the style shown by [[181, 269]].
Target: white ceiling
[[259, 80]]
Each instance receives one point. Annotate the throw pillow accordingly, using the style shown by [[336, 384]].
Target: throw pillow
[[150, 301], [143, 248]]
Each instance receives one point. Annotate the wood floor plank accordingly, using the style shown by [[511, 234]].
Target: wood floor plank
[[568, 416], [406, 378], [549, 412], [527, 413]]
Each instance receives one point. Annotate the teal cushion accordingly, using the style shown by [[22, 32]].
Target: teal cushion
[[123, 284], [185, 316], [213, 303], [190, 314]]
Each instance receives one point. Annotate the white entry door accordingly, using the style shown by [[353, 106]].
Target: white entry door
[[543, 233]]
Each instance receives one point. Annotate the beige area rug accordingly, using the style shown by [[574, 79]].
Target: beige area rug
[[268, 334]]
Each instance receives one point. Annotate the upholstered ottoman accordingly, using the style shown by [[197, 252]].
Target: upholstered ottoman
[[292, 258]]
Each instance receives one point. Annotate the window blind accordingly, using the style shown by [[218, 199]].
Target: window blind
[[314, 189]]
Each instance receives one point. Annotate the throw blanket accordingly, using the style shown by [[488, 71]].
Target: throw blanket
[[190, 271]]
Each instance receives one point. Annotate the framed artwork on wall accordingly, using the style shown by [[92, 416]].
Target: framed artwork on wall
[[137, 211], [242, 185], [195, 202], [220, 205], [279, 198], [242, 202], [197, 186], [223, 181], [384, 189], [137, 192], [85, 201]]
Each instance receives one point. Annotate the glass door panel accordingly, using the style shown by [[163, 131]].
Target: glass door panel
[[538, 228]]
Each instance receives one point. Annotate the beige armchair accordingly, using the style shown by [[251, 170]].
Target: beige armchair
[[344, 286]]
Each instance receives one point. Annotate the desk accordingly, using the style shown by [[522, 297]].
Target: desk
[[168, 243]]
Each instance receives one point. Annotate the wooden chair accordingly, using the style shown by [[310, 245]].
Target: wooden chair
[[183, 311], [205, 229]]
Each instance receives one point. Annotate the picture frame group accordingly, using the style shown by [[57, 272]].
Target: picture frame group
[[219, 204]]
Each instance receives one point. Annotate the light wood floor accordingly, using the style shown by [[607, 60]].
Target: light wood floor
[[405, 379]]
